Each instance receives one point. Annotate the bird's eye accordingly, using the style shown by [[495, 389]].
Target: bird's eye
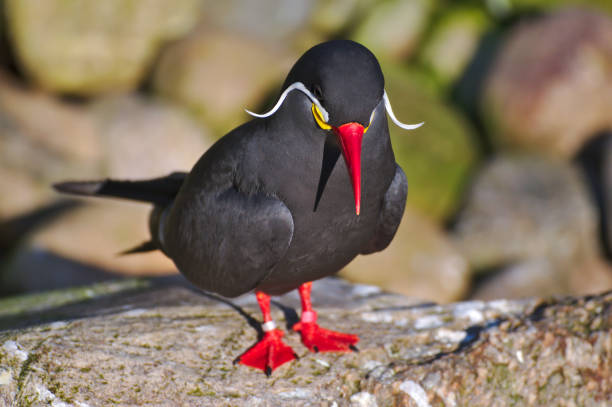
[[318, 116], [316, 90]]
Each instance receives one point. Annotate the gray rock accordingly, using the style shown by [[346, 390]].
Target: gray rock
[[522, 207], [60, 128], [524, 278], [543, 5], [45, 140], [267, 20], [91, 47], [144, 138], [157, 344], [94, 235], [21, 272], [41, 140], [332, 16], [453, 41], [421, 262], [545, 277], [556, 353], [392, 29], [217, 75], [550, 89], [530, 223], [439, 156]]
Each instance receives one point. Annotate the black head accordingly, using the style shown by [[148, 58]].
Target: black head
[[344, 76], [344, 83]]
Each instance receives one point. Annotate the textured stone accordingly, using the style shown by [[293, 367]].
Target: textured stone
[[452, 42], [267, 20], [145, 138], [41, 140], [421, 262], [557, 353], [392, 29], [88, 47], [96, 233], [551, 87], [161, 344], [439, 156], [522, 207], [45, 140], [217, 75], [530, 224], [331, 16], [60, 127], [530, 5], [544, 277]]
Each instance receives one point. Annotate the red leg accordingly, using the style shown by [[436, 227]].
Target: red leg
[[270, 352], [315, 338]]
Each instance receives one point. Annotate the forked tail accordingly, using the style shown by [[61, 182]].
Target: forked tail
[[158, 191]]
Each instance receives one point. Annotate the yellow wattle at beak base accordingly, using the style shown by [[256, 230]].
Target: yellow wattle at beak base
[[368, 126], [319, 118], [316, 113]]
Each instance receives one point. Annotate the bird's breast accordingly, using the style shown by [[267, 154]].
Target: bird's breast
[[327, 232]]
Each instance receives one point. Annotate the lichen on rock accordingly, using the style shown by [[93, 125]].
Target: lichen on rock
[[163, 344]]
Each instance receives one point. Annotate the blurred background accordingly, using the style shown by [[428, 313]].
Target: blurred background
[[510, 178]]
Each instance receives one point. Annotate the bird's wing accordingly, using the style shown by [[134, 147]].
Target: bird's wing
[[391, 213], [228, 242]]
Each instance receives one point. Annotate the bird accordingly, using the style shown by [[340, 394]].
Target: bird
[[271, 207]]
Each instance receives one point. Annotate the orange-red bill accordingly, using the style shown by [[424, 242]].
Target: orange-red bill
[[350, 136]]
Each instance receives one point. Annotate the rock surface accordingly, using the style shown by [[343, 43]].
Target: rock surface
[[331, 16], [530, 5], [157, 343], [44, 140], [453, 41], [529, 223], [216, 75], [272, 21], [437, 157], [421, 262], [551, 88], [523, 207], [392, 29], [144, 138], [91, 47]]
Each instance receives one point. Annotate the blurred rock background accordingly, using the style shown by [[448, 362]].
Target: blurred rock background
[[510, 178]]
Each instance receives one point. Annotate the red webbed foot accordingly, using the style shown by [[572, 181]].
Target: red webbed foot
[[318, 339], [267, 354]]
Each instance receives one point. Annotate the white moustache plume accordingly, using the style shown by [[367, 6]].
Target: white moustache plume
[[300, 86], [392, 116], [294, 86]]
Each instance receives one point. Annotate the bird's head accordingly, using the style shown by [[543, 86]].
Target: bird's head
[[345, 84]]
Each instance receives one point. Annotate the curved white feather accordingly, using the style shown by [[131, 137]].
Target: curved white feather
[[294, 86], [392, 116]]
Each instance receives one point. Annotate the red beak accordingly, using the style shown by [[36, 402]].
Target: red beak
[[350, 136]]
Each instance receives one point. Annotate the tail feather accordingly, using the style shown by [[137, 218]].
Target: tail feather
[[144, 247], [160, 191]]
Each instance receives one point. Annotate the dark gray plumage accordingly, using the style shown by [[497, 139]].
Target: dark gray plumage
[[270, 205]]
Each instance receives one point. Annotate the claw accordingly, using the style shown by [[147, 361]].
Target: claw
[[318, 339], [267, 354]]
